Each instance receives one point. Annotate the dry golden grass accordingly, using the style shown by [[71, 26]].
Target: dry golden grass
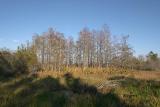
[[145, 75], [113, 87], [94, 76]]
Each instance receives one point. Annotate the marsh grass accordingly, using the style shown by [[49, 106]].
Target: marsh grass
[[74, 89]]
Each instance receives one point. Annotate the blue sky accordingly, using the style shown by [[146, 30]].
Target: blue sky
[[20, 19]]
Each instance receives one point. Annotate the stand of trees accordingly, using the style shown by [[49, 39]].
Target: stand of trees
[[93, 48]]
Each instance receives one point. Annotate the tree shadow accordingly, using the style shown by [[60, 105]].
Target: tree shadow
[[49, 92], [76, 86]]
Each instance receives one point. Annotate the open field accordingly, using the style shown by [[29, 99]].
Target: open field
[[82, 88]]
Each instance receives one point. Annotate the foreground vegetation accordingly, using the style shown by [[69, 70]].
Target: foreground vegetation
[[69, 89]]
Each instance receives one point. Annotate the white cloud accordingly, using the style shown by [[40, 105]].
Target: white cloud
[[16, 41]]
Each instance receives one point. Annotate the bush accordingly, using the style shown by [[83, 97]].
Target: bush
[[6, 63], [20, 62]]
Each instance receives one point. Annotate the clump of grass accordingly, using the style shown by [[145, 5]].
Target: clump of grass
[[140, 93]]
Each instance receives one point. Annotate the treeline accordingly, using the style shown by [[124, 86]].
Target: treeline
[[51, 50], [94, 48]]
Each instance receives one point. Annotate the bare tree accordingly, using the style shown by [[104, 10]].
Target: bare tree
[[93, 48]]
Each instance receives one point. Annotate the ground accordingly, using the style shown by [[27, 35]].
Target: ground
[[82, 88]]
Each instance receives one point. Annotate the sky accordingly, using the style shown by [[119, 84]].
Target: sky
[[21, 19]]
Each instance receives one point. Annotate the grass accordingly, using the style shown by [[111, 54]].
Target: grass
[[77, 89], [142, 93]]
